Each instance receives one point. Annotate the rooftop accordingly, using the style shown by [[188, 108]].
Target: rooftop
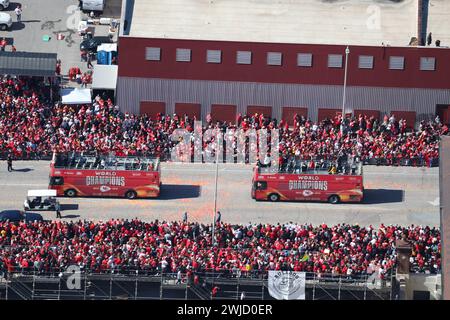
[[353, 22]]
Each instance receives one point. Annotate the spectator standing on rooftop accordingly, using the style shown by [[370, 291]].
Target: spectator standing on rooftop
[[429, 39], [18, 12]]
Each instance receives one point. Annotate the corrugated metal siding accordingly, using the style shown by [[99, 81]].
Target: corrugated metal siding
[[242, 94]]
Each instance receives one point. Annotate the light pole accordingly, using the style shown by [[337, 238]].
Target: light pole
[[347, 51], [215, 190]]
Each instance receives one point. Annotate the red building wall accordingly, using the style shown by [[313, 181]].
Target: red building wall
[[133, 64]]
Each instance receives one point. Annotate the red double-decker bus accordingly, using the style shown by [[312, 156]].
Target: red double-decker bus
[[309, 181], [105, 176]]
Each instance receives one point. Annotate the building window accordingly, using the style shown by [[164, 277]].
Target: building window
[[304, 60], [365, 62], [396, 63], [427, 63], [244, 57], [183, 55], [153, 54], [335, 61], [214, 56], [274, 58]]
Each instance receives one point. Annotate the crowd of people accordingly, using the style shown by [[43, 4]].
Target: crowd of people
[[30, 125], [170, 247]]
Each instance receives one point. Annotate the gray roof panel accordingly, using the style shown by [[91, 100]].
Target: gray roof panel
[[28, 64]]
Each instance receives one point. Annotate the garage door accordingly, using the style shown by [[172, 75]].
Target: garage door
[[265, 110], [409, 116], [327, 113], [223, 112], [151, 108], [289, 113], [190, 109], [369, 113]]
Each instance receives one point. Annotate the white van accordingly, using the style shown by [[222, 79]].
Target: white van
[[4, 4], [93, 5], [5, 21]]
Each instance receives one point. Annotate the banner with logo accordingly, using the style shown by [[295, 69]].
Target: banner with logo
[[287, 285]]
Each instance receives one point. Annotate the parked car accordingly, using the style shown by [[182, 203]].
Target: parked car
[[91, 45], [40, 200], [5, 21], [19, 215], [4, 4]]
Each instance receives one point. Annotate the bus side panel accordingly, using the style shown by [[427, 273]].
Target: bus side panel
[[348, 188], [144, 184]]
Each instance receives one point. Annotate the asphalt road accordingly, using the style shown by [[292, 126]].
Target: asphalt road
[[393, 196]]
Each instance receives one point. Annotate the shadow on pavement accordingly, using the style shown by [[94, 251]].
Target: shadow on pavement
[[378, 196], [65, 207], [17, 26], [23, 170], [178, 191], [71, 216], [26, 21]]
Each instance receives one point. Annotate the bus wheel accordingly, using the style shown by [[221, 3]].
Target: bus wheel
[[71, 193], [274, 197], [334, 199], [130, 194]]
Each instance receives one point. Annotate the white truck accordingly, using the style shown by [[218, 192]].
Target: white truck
[[93, 5], [4, 4]]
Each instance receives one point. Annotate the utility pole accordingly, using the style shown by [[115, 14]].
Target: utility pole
[[218, 140], [347, 51]]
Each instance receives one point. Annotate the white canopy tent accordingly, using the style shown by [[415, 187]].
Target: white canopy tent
[[42, 193], [76, 96], [108, 47], [105, 77]]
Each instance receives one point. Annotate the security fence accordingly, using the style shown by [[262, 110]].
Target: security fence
[[140, 285], [413, 162]]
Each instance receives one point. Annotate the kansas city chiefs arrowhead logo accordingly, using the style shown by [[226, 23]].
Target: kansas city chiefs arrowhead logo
[[307, 193], [104, 188]]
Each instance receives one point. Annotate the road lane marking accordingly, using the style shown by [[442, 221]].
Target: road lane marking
[[23, 184]]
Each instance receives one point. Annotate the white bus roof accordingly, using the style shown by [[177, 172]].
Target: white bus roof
[[42, 193]]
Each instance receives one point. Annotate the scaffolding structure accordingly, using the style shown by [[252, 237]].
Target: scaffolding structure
[[159, 286]]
